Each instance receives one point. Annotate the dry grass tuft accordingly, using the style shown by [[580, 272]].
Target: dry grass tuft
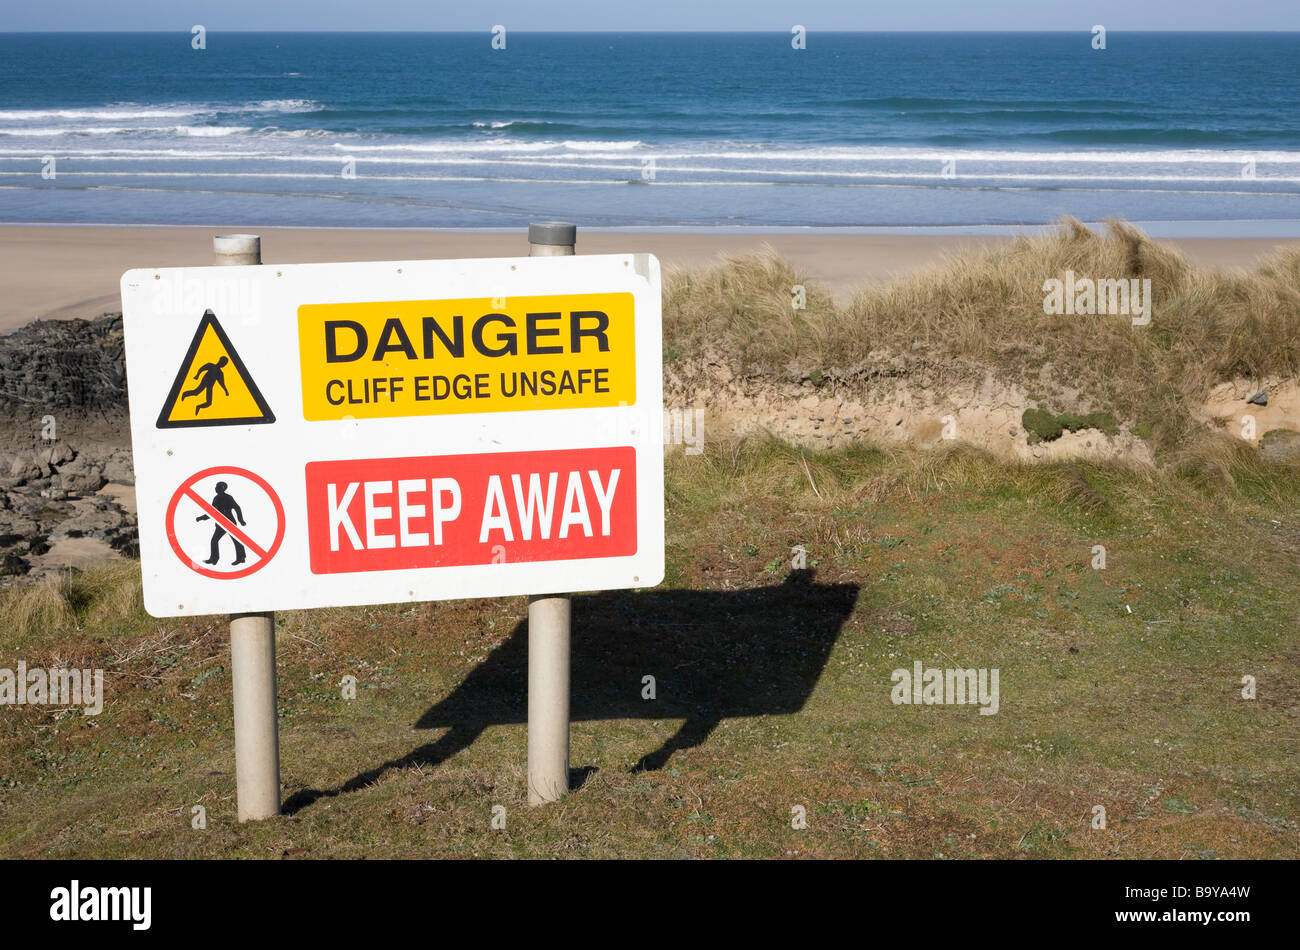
[[742, 309], [73, 600]]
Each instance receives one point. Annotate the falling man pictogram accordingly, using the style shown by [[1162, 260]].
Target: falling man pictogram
[[229, 508], [212, 361], [208, 376]]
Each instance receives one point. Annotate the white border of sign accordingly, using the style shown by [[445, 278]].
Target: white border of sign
[[162, 308]]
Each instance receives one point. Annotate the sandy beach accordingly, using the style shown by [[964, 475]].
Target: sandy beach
[[60, 272]]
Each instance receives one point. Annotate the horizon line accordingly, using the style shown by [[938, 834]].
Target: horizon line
[[778, 32]]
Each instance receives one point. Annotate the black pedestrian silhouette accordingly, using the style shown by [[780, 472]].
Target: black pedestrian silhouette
[[227, 505], [211, 376]]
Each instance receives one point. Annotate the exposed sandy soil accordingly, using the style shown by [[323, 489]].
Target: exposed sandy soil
[[901, 405], [67, 552], [1227, 405], [81, 552]]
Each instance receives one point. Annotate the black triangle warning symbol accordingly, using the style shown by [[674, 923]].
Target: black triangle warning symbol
[[213, 387]]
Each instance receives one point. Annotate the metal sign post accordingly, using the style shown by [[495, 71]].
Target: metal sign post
[[252, 651], [548, 624]]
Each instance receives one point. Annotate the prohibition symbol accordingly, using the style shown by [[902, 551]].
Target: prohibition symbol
[[225, 522]]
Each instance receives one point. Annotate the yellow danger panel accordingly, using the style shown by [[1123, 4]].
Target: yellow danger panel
[[212, 386], [435, 357]]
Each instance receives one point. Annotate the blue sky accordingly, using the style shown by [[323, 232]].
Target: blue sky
[[531, 15]]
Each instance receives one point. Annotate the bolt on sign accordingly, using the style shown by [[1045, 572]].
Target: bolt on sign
[[382, 432]]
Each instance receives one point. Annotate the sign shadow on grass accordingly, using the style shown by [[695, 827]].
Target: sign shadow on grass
[[714, 655]]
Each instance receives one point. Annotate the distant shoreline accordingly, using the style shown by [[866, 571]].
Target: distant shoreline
[[73, 271]]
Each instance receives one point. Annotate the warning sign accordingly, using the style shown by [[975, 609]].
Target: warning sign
[[435, 357], [442, 429], [225, 522], [212, 387]]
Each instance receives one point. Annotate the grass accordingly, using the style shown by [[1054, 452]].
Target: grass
[[1119, 687], [981, 314]]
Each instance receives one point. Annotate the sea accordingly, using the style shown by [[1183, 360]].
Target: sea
[[664, 131]]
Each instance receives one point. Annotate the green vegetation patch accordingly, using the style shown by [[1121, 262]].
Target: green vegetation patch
[[1043, 426]]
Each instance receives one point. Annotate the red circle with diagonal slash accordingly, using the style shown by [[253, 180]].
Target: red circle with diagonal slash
[[264, 556]]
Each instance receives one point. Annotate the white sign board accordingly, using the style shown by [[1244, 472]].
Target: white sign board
[[320, 435]]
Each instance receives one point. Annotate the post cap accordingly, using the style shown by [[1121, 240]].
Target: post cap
[[237, 249], [554, 233], [236, 243]]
